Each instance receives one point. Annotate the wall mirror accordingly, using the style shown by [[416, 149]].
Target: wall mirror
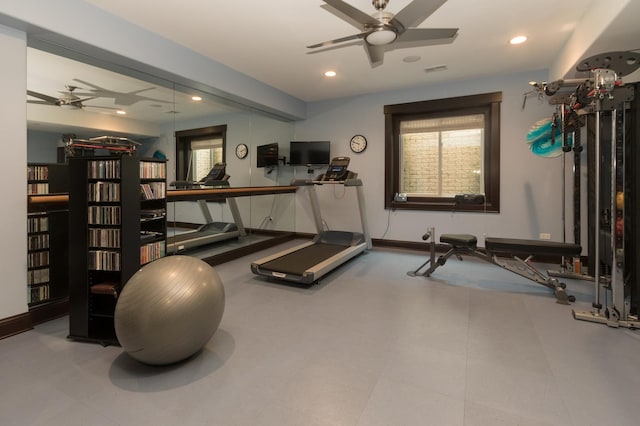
[[71, 96]]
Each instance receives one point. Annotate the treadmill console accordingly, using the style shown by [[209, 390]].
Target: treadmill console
[[216, 175], [337, 171]]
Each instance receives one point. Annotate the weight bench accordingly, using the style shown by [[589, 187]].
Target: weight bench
[[505, 253]]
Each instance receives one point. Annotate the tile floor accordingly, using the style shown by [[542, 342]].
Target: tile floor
[[473, 345]]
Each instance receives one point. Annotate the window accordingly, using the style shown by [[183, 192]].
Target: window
[[198, 150], [441, 148], [204, 154]]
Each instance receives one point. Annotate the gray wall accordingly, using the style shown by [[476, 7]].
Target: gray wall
[[42, 146], [13, 122], [531, 186]]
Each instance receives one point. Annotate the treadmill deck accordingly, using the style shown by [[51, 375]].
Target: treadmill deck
[[297, 262]]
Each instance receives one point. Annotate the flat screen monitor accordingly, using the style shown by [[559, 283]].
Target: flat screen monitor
[[309, 153], [267, 155]]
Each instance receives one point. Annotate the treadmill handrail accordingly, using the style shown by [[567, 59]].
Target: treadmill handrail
[[187, 184], [309, 182]]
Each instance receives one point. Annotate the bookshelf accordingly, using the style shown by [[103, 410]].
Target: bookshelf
[[38, 272], [117, 223], [43, 178], [46, 237]]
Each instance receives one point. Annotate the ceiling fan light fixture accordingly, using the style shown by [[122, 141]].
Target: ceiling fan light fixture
[[69, 106], [381, 36]]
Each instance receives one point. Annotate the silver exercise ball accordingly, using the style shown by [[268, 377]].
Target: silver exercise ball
[[169, 310]]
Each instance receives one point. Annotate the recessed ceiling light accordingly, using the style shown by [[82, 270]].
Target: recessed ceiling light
[[412, 58], [121, 112], [518, 40], [196, 98], [330, 74]]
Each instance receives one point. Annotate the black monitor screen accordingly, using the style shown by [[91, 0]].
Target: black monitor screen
[[267, 155], [315, 152]]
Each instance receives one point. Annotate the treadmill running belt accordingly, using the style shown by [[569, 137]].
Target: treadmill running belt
[[207, 233], [297, 262]]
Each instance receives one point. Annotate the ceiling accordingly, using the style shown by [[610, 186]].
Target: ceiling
[[103, 93], [267, 41]]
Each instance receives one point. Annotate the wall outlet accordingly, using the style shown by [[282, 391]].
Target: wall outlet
[[545, 236]]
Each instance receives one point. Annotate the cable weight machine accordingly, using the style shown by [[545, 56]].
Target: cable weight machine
[[613, 182], [611, 110], [612, 251]]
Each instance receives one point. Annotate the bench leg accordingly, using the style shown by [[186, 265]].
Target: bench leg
[[431, 234], [442, 260], [526, 270], [562, 297], [417, 271], [437, 262]]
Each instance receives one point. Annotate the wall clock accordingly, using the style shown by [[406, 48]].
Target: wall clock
[[358, 143], [241, 150]]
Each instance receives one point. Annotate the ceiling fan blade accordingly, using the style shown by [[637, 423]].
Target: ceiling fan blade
[[101, 107], [376, 54], [40, 103], [119, 98], [353, 13], [338, 40], [417, 11], [428, 34], [86, 83], [46, 98]]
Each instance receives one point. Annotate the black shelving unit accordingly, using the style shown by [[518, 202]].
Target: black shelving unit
[[38, 268], [117, 223], [45, 178], [46, 237]]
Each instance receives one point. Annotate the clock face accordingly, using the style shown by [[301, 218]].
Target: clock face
[[241, 150], [358, 143]]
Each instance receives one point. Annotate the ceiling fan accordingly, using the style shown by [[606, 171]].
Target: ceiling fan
[[119, 98], [68, 100], [382, 29]]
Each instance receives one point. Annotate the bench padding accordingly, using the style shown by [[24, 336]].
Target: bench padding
[[531, 247], [459, 240]]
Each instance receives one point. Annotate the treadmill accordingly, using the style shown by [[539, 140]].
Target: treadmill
[[307, 263], [210, 232]]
